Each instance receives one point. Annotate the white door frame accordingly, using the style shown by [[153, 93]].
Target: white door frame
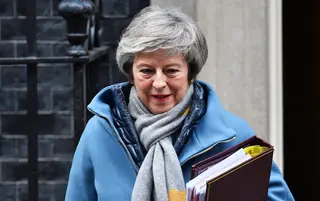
[[275, 79]]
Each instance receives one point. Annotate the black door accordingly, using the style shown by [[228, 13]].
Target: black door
[[301, 90]]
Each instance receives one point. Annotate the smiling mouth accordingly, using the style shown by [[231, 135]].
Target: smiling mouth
[[161, 97]]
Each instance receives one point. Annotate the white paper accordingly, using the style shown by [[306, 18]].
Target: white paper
[[198, 184]]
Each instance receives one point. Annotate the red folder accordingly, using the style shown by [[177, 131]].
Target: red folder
[[248, 181]]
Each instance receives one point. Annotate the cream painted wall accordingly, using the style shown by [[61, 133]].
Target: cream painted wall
[[237, 65], [187, 6]]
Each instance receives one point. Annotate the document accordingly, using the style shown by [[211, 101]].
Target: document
[[197, 186], [221, 176]]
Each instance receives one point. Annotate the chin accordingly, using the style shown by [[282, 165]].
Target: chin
[[157, 111], [160, 110]]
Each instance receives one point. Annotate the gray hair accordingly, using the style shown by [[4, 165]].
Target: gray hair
[[155, 28]]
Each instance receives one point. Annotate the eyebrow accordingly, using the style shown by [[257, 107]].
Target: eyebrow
[[143, 64], [173, 64]]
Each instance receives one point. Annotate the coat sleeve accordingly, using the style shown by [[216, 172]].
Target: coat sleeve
[[81, 177], [278, 189]]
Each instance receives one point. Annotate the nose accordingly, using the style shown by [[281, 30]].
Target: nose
[[159, 81]]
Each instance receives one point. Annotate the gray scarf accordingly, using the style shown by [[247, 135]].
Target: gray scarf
[[160, 176]]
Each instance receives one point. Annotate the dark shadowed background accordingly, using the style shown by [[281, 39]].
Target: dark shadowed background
[[55, 97]]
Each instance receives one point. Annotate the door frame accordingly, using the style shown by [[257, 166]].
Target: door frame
[[275, 79]]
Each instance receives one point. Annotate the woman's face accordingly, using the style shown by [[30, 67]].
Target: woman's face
[[161, 80]]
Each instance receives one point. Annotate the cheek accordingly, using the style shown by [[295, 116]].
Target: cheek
[[138, 81], [182, 92], [143, 84], [143, 87], [180, 89]]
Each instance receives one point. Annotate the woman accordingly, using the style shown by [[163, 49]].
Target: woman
[[147, 133]]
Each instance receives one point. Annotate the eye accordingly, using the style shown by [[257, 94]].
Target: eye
[[172, 71], [146, 71]]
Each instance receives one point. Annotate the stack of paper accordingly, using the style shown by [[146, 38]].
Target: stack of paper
[[196, 188]]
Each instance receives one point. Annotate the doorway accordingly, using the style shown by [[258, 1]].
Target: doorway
[[301, 90]]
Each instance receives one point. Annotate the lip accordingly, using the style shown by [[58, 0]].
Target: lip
[[161, 97]]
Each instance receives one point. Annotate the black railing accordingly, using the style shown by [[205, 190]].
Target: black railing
[[82, 33]]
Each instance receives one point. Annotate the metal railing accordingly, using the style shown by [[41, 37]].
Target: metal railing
[[82, 17]]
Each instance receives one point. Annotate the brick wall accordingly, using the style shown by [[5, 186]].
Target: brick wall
[[54, 95], [54, 99]]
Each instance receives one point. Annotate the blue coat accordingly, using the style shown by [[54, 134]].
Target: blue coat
[[102, 169]]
